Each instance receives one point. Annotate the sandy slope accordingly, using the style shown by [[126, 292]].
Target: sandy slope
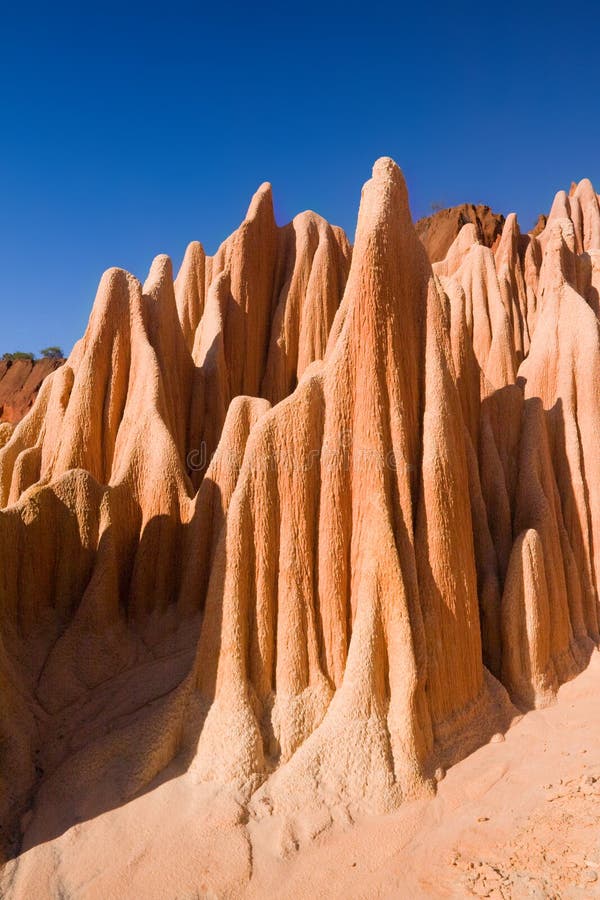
[[518, 818]]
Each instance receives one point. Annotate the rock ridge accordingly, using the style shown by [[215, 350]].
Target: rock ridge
[[308, 520]]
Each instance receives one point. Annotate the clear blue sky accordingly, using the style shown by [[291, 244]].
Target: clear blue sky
[[129, 130]]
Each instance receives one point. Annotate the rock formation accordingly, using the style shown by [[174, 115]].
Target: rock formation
[[310, 521], [539, 226], [439, 230], [20, 381]]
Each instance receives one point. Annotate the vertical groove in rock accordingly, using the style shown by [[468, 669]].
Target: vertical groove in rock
[[308, 517]]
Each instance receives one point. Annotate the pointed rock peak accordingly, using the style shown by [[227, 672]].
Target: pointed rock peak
[[561, 208], [194, 255], [210, 330], [467, 237], [507, 248], [115, 281], [558, 264], [511, 225], [585, 191], [190, 276], [588, 199], [383, 197], [387, 173], [161, 273], [189, 288], [309, 219], [112, 301], [539, 226], [261, 205], [588, 221], [389, 266], [385, 168]]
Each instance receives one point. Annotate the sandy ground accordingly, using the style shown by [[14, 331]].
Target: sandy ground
[[518, 818]]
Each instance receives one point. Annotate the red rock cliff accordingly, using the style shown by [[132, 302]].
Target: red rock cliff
[[20, 382]]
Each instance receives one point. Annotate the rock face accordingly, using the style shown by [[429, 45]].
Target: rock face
[[309, 521], [539, 226], [438, 231], [20, 382]]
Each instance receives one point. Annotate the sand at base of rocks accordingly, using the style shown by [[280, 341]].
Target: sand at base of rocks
[[518, 818]]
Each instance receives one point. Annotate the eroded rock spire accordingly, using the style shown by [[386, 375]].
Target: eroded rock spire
[[314, 520]]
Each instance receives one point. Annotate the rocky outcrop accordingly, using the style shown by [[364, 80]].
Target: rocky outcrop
[[20, 382], [313, 522], [438, 231], [539, 226]]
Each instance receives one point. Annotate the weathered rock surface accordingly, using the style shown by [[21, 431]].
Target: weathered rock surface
[[309, 522], [539, 226], [438, 231], [20, 382]]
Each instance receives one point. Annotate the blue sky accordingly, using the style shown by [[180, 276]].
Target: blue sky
[[129, 130]]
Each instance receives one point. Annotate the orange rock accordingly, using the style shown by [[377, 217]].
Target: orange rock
[[20, 382], [305, 518], [438, 231]]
